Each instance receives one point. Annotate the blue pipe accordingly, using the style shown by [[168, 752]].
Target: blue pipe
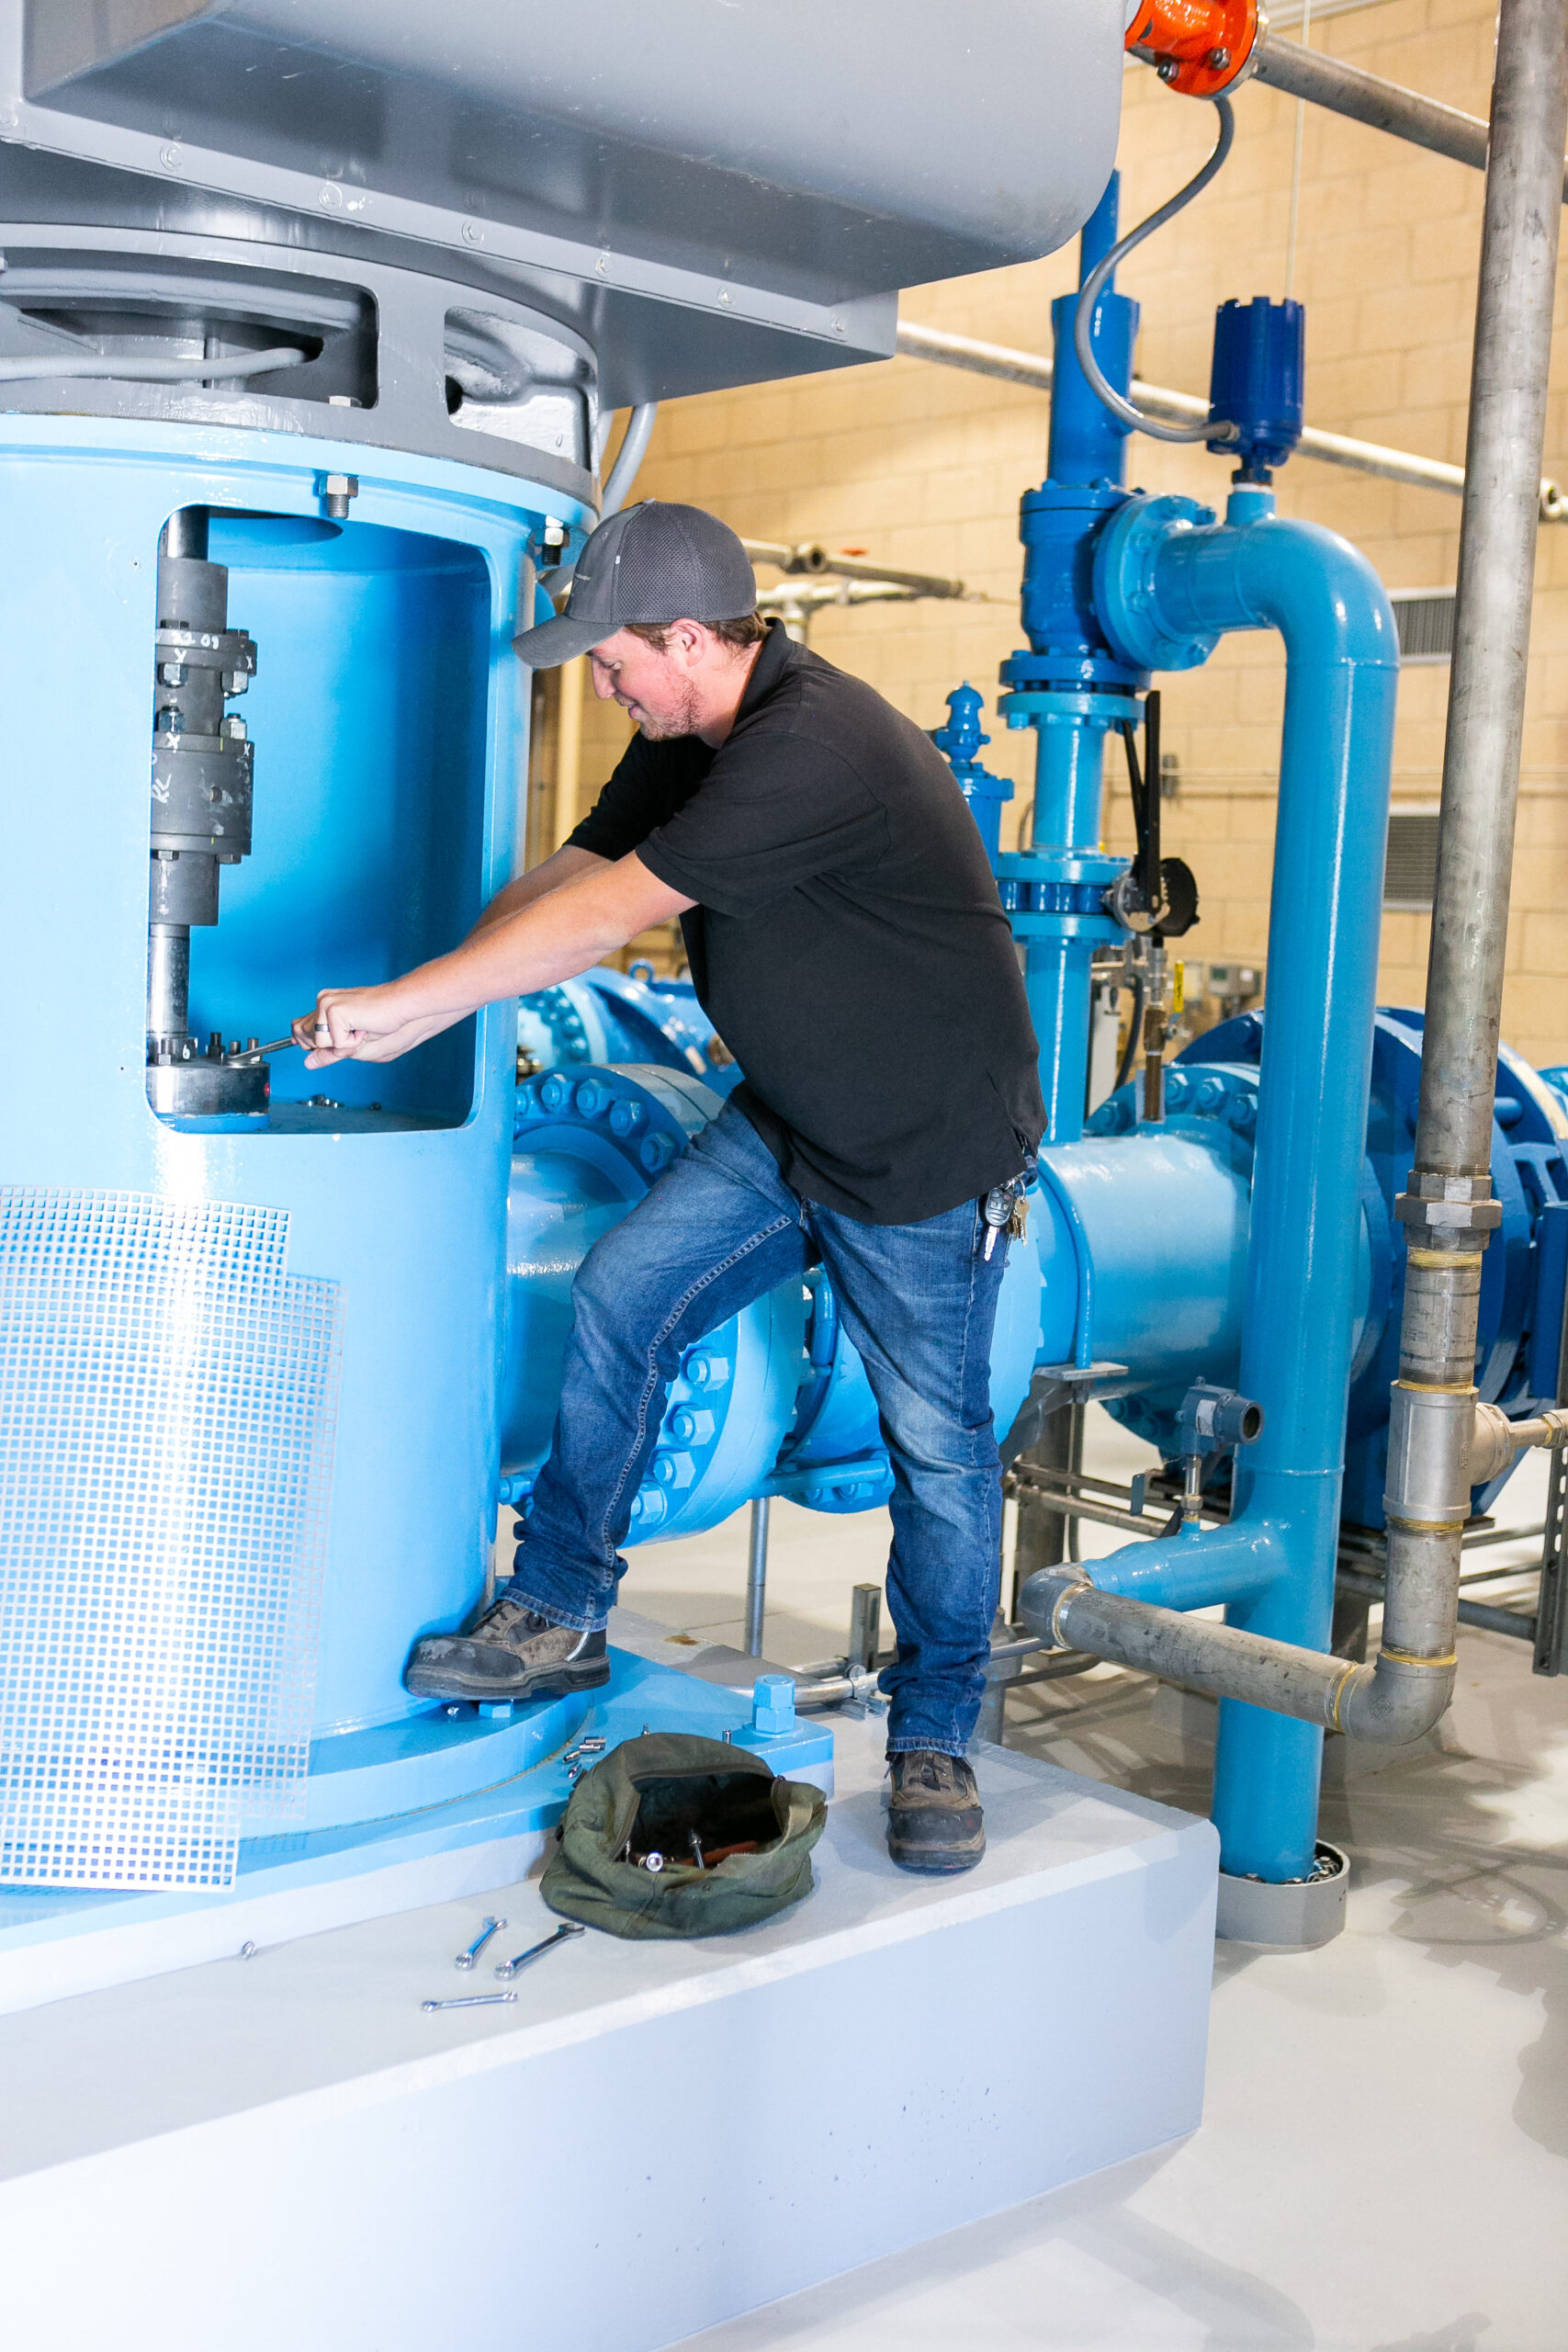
[[1170, 581], [1070, 688], [1087, 443], [1058, 913]]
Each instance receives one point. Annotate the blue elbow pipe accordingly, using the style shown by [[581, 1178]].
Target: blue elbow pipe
[[1170, 581]]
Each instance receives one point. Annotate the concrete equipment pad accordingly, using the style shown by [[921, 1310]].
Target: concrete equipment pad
[[286, 2150]]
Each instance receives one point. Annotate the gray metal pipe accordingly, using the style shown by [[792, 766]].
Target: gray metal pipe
[[1033, 370], [1448, 1207], [818, 563], [1497, 1621], [757, 1575], [1391, 1701], [1059, 1504], [1329, 81], [1471, 1613], [1194, 1651], [1497, 578]]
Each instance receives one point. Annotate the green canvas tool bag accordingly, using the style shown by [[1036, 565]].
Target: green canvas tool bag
[[646, 1801]]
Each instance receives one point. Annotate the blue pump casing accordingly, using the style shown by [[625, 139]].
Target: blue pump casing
[[1211, 1086], [610, 1016]]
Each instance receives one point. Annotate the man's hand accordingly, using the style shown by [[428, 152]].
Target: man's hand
[[529, 946], [363, 1025]]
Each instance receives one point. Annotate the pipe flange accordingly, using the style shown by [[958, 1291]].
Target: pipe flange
[[1125, 591], [180, 649], [621, 1114]]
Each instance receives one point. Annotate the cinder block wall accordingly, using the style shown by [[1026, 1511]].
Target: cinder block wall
[[921, 467]]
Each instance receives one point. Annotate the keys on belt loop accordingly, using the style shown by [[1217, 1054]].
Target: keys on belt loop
[[1006, 1208]]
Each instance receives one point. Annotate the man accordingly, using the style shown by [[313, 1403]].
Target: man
[[845, 938]]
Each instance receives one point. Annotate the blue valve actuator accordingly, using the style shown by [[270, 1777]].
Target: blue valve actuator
[[1257, 382]]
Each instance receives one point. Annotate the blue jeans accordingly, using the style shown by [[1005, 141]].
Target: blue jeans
[[920, 1302]]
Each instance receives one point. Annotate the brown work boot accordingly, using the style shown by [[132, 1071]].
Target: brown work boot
[[511, 1653], [934, 1816]]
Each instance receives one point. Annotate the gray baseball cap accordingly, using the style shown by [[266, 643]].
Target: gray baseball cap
[[651, 563]]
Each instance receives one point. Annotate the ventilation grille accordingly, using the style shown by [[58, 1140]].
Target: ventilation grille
[[1425, 619], [1410, 876], [168, 1398]]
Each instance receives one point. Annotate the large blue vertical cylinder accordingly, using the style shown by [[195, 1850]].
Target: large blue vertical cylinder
[[387, 718]]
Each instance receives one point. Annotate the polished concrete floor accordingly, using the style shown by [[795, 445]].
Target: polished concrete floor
[[1384, 2161]]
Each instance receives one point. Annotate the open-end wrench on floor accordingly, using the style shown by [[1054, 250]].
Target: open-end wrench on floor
[[488, 1929], [536, 1951]]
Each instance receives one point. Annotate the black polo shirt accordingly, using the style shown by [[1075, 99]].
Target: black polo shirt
[[847, 943]]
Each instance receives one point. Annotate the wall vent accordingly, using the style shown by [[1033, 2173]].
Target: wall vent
[[1425, 619], [1410, 876]]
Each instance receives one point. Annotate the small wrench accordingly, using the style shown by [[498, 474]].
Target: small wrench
[[535, 1951], [469, 2001], [466, 1959]]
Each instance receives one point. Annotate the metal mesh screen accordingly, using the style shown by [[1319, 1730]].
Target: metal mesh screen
[[1410, 876], [1424, 620], [167, 1403]]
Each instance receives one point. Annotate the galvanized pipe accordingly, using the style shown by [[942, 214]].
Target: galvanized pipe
[[1066, 1506], [757, 1575], [1496, 575], [818, 564], [1219, 1659], [1030, 368], [1329, 81], [1448, 1209], [1471, 1613], [1062, 1506]]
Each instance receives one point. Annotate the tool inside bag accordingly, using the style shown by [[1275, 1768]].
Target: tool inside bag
[[672, 1835]]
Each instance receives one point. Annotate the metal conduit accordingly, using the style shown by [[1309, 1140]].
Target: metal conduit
[[1032, 368], [1439, 1439]]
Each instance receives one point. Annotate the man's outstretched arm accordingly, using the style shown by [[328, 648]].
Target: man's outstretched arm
[[558, 935], [567, 864]]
